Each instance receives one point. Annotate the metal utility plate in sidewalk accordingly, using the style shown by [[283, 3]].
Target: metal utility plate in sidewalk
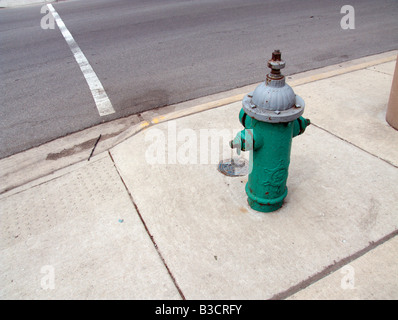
[[340, 200]]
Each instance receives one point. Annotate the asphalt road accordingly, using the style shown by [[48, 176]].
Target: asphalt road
[[151, 53]]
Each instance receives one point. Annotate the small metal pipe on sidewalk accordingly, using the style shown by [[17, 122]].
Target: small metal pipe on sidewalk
[[392, 108]]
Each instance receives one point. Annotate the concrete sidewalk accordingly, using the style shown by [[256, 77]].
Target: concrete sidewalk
[[151, 217]]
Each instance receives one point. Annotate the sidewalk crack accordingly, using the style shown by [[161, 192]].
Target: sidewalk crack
[[332, 268], [382, 72], [360, 148], [147, 230]]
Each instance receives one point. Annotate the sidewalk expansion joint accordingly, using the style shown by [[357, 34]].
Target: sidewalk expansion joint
[[332, 268], [147, 230], [356, 146], [382, 72]]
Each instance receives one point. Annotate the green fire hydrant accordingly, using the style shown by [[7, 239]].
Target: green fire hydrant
[[271, 115]]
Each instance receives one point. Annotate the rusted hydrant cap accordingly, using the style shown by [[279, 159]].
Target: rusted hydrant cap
[[276, 62], [274, 100]]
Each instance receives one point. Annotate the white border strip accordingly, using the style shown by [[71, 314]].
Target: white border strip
[[101, 99]]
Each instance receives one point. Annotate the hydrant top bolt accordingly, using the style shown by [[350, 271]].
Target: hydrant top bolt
[[274, 100], [276, 63], [276, 55]]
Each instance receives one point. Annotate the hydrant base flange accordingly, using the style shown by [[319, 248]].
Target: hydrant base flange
[[264, 205]]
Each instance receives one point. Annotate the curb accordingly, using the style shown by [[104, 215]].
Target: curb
[[293, 81]]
